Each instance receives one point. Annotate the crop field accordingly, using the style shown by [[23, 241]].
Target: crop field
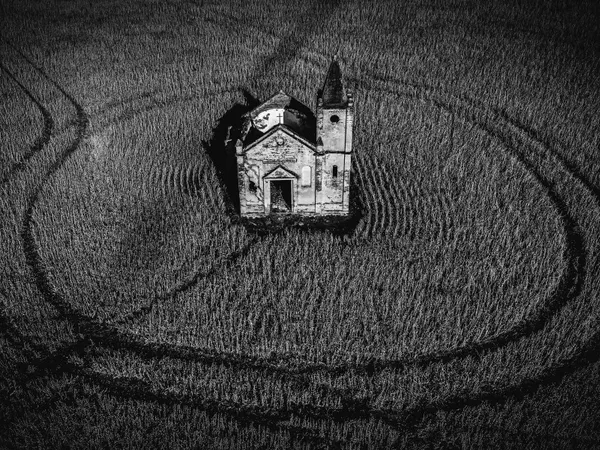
[[461, 311]]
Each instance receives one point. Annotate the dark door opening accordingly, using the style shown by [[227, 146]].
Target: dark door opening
[[281, 196]]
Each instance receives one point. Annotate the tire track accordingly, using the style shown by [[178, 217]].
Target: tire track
[[228, 261], [81, 324], [140, 391], [581, 358], [417, 197], [406, 420], [92, 332], [41, 141], [568, 288], [413, 416], [135, 389], [117, 341]]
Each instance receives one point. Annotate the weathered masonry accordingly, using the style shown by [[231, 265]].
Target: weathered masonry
[[289, 162]]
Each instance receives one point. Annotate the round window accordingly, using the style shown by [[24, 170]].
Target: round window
[[334, 119]]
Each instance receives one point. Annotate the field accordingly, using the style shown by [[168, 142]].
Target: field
[[462, 310]]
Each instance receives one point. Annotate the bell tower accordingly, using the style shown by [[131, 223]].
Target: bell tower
[[335, 115]]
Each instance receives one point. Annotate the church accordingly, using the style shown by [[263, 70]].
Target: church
[[291, 162]]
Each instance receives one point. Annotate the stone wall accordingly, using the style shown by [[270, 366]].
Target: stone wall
[[279, 149]]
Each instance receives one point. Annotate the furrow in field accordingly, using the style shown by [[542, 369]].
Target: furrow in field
[[416, 220], [415, 196], [386, 197], [410, 211], [42, 139], [405, 210], [395, 199], [445, 232], [365, 223], [187, 185], [377, 196], [187, 180]]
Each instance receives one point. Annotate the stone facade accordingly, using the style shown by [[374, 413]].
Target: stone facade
[[291, 162]]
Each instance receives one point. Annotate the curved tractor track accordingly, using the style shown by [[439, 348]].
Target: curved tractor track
[[570, 283], [383, 218], [567, 289], [105, 336], [97, 334], [44, 137]]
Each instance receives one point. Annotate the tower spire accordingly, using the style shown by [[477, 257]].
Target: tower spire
[[333, 89]]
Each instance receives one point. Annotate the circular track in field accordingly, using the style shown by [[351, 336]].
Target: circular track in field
[[173, 179], [106, 337]]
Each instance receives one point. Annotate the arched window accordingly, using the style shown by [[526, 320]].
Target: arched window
[[334, 172], [306, 176]]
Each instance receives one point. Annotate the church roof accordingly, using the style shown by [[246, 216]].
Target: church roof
[[297, 117], [281, 100], [333, 90]]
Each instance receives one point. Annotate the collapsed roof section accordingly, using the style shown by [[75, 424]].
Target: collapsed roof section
[[279, 109]]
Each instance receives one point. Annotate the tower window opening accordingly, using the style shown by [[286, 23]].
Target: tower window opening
[[335, 118], [252, 186], [334, 172]]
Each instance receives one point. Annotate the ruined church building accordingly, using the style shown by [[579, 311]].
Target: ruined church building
[[289, 162]]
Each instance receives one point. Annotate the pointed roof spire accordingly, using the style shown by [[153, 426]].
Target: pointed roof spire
[[333, 89]]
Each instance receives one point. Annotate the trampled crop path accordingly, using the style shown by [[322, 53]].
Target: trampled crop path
[[132, 354]]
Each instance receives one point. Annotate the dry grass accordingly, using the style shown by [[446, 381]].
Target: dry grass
[[471, 277]]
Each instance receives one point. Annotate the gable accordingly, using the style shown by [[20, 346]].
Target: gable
[[280, 172], [279, 140]]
